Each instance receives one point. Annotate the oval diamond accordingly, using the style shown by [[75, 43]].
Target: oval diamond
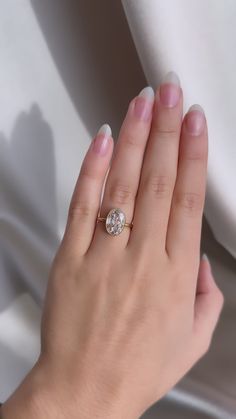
[[115, 221]]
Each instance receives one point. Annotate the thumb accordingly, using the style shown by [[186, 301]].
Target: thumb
[[208, 303]]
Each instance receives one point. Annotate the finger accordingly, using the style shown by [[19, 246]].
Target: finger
[[208, 305], [123, 179], [184, 228], [160, 166], [85, 200]]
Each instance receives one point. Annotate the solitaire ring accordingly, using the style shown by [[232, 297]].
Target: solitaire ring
[[115, 221]]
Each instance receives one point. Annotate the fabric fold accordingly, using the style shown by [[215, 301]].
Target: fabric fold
[[196, 39]]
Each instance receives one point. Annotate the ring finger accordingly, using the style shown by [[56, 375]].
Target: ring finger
[[123, 178]]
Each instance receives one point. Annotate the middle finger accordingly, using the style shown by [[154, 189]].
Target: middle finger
[[160, 167]]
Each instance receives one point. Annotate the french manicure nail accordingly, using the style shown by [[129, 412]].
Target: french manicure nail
[[205, 257], [144, 103], [195, 120], [101, 141], [169, 90]]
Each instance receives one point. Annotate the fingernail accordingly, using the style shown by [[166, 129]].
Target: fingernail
[[101, 141], [206, 258], [209, 279], [169, 90], [144, 103], [195, 120]]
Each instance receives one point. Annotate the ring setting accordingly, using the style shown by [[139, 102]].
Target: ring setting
[[115, 221]]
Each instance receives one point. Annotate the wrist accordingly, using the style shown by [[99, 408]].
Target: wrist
[[34, 400], [25, 402]]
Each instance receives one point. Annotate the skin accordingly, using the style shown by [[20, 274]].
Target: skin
[[126, 317]]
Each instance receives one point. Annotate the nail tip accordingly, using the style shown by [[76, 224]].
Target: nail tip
[[196, 107], [105, 129], [147, 92], [205, 257], [171, 77]]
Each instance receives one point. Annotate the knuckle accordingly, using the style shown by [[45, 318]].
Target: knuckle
[[165, 131], [121, 193], [205, 345], [190, 202], [78, 210], [160, 186], [219, 297], [200, 346], [130, 140], [198, 155], [87, 173]]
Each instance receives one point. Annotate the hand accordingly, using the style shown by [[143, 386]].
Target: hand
[[126, 317]]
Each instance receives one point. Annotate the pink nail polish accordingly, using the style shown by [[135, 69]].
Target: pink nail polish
[[101, 141], [144, 103], [195, 120], [169, 90]]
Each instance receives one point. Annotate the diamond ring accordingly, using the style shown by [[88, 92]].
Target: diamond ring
[[115, 221]]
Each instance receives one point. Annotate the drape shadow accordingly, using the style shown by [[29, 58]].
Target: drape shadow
[[94, 54], [28, 210]]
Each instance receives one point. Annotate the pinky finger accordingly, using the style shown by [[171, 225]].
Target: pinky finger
[[85, 202]]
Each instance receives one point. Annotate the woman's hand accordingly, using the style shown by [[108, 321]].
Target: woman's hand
[[127, 316]]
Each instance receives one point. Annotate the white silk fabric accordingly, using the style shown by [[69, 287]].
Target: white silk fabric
[[65, 69], [197, 39]]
